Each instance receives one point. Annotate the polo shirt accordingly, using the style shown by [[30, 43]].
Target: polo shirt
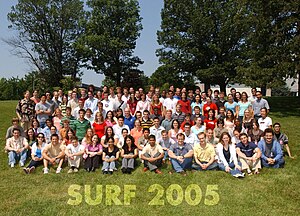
[[179, 150], [152, 150], [146, 124], [204, 154], [81, 127], [156, 131], [129, 121], [258, 104]]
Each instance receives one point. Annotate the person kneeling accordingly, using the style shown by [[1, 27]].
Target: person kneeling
[[271, 151], [74, 153], [53, 153], [204, 154], [181, 155], [110, 156], [152, 154], [129, 153]]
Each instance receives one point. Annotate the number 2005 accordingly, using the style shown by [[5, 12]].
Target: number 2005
[[192, 195]]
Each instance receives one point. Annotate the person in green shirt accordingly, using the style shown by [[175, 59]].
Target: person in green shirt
[[69, 117], [81, 125]]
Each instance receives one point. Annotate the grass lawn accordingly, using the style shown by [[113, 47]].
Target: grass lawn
[[273, 192]]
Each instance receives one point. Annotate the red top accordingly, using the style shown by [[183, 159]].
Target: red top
[[183, 123], [158, 106], [185, 106], [99, 129], [208, 107], [210, 124], [132, 106]]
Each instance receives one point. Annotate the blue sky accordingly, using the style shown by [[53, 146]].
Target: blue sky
[[12, 66]]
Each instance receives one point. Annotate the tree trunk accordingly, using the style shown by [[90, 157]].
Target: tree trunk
[[223, 87], [206, 86], [118, 77], [263, 90], [299, 83]]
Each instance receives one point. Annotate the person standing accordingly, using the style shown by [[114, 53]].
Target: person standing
[[25, 111]]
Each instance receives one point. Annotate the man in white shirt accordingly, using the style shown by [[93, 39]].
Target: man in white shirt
[[91, 102], [76, 110], [108, 105], [119, 103], [156, 129], [74, 153], [190, 138], [118, 127], [264, 121], [170, 102]]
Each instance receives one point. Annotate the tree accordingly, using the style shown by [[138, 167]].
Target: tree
[[47, 34], [111, 32], [202, 38], [272, 43]]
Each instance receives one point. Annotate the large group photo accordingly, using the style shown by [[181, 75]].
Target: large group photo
[[139, 107]]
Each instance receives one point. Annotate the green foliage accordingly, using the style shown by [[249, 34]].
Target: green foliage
[[111, 31], [47, 34], [272, 43], [202, 39]]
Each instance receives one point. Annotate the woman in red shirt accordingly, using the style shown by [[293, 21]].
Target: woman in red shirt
[[156, 104], [211, 121], [208, 106], [99, 125], [185, 104], [131, 104]]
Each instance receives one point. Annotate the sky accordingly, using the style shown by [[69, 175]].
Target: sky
[[13, 66]]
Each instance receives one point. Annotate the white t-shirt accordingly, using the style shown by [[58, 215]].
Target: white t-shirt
[[264, 123], [73, 149], [170, 104]]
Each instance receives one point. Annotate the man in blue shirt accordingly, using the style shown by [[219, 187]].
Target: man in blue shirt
[[128, 118], [272, 155]]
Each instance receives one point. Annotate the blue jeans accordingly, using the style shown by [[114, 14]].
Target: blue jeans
[[109, 165], [213, 166], [277, 164], [233, 170], [166, 154], [180, 167], [13, 157]]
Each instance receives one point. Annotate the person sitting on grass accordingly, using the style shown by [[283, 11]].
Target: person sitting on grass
[[110, 156], [204, 154], [74, 153], [53, 154], [272, 155], [93, 152], [15, 124], [248, 154], [282, 139], [181, 155], [165, 142], [36, 154], [227, 160], [129, 153], [152, 154], [16, 146]]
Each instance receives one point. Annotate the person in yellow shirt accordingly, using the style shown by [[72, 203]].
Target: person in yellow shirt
[[204, 154]]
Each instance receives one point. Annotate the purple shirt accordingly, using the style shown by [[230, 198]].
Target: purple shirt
[[95, 148]]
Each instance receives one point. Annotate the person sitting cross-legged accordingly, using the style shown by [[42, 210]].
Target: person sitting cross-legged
[[181, 155], [53, 153], [74, 153], [248, 154], [17, 148], [204, 154], [152, 154], [271, 152]]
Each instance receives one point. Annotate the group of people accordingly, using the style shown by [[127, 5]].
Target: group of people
[[112, 128]]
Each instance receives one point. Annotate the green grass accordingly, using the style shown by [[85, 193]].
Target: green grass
[[274, 192]]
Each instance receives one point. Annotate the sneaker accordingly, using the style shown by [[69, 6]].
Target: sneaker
[[124, 170], [12, 165], [105, 172], [31, 170], [46, 170], [58, 170], [26, 170], [75, 170], [21, 164], [69, 171]]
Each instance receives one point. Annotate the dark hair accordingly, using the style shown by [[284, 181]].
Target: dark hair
[[111, 138], [268, 130], [172, 124], [109, 112], [16, 129], [222, 135], [124, 129], [220, 121], [232, 115], [67, 136], [54, 135], [276, 123], [75, 138], [35, 120], [243, 134], [152, 137], [146, 129], [125, 146], [214, 112], [106, 135]]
